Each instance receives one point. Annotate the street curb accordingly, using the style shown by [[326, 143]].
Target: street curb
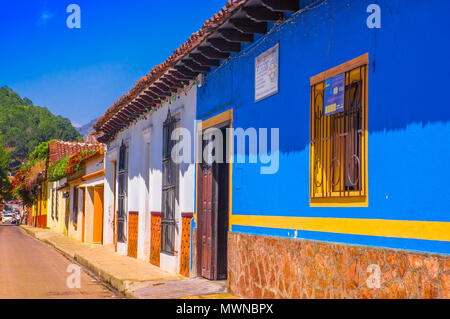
[[116, 283]]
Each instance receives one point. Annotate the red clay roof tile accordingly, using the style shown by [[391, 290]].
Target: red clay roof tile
[[58, 150]]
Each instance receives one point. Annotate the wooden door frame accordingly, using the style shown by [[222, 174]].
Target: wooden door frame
[[220, 121]]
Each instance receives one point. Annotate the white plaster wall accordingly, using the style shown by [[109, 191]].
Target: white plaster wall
[[144, 195], [89, 214], [57, 224], [108, 204], [139, 198], [75, 233], [95, 165], [51, 222]]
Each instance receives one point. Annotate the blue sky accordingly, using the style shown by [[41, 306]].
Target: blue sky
[[79, 73]]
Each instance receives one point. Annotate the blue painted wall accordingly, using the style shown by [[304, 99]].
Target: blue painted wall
[[409, 114]]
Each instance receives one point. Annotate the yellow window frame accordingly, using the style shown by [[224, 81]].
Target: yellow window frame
[[349, 198]]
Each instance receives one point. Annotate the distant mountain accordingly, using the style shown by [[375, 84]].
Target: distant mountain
[[23, 126], [87, 128]]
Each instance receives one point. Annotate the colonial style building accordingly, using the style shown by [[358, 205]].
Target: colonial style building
[[333, 133], [75, 202], [147, 196]]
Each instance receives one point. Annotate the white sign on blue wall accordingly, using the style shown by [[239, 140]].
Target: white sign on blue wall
[[266, 73]]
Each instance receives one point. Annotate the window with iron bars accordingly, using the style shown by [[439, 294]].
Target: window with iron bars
[[53, 203], [56, 204], [122, 192], [338, 146], [75, 207], [169, 188]]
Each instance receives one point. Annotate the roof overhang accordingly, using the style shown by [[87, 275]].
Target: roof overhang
[[237, 23]]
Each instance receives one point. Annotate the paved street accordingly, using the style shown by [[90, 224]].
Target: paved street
[[32, 269]]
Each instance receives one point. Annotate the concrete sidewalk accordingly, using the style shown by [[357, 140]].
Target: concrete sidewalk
[[132, 277]]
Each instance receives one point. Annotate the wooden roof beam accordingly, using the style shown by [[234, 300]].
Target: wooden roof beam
[[223, 45], [282, 5], [194, 66], [163, 87], [262, 14], [180, 76], [235, 35], [111, 129], [145, 98], [141, 103], [212, 53], [172, 82], [156, 91], [150, 95], [107, 129], [247, 25], [138, 106], [203, 60], [184, 70]]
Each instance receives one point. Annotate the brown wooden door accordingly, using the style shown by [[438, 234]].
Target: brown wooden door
[[213, 185], [206, 220]]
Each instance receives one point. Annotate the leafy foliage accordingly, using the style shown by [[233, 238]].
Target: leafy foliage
[[58, 170], [75, 160], [24, 183], [5, 184], [23, 126], [68, 165], [40, 152]]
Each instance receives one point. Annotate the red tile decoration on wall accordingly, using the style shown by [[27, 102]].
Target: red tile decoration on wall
[[155, 245], [185, 244], [133, 231]]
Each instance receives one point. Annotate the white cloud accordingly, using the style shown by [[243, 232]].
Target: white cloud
[[76, 125]]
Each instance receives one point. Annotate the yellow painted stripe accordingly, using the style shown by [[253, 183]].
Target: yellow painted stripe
[[369, 227]]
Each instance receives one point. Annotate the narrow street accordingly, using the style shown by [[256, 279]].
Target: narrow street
[[30, 269]]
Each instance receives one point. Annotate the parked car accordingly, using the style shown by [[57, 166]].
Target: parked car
[[8, 219]]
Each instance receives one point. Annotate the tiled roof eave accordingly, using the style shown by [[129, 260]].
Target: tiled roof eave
[[157, 72]]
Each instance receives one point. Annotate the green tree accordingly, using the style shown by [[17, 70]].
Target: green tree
[[24, 126], [5, 184]]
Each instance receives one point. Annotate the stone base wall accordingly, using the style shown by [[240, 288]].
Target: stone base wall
[[273, 267]]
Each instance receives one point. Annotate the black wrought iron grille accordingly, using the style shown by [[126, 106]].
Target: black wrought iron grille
[[75, 205], [53, 204], [56, 205], [122, 192], [169, 188], [338, 140]]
